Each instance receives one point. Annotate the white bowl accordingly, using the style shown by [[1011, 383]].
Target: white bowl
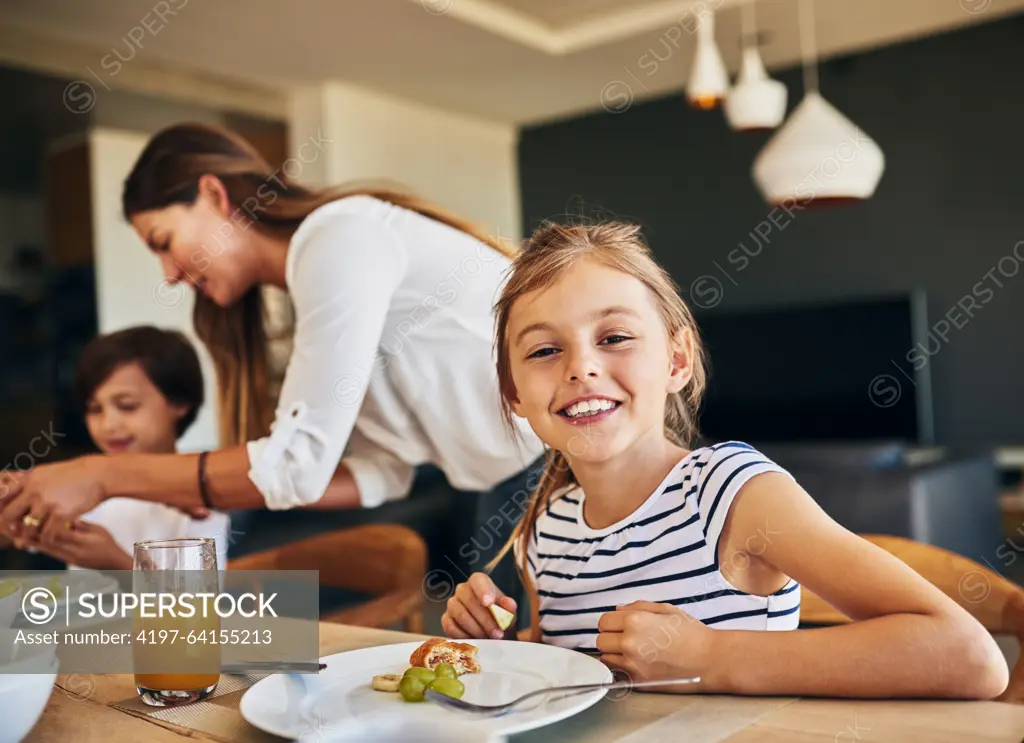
[[9, 608], [380, 729], [19, 659], [23, 698]]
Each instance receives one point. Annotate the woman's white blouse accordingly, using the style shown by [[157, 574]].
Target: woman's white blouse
[[393, 360]]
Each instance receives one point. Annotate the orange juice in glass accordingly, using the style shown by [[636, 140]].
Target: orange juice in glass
[[176, 656]]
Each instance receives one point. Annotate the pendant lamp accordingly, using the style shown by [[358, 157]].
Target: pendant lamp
[[709, 80], [756, 102], [819, 156]]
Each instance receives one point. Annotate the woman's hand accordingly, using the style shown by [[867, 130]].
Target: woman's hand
[[88, 546], [41, 503], [469, 616], [655, 641]]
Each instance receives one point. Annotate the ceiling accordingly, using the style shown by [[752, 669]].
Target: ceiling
[[561, 14], [514, 61]]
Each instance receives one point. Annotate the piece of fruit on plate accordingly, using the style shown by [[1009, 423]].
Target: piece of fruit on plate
[[386, 682], [503, 617], [436, 650]]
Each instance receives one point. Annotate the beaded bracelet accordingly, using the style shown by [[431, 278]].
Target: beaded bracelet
[[204, 492]]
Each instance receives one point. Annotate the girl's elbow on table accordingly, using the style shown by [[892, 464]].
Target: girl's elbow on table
[[976, 667]]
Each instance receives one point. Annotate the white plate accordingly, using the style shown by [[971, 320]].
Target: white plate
[[10, 607], [340, 696]]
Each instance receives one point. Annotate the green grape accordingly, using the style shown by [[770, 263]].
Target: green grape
[[7, 587], [411, 688], [423, 674], [445, 671], [450, 687]]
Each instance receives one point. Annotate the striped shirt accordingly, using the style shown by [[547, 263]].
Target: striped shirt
[[666, 552]]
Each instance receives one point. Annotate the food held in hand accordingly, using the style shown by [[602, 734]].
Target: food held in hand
[[7, 587], [460, 655], [503, 617], [386, 682]]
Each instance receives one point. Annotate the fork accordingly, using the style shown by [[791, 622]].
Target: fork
[[496, 710]]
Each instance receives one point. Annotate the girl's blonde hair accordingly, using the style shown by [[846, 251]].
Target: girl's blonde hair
[[168, 171], [545, 255]]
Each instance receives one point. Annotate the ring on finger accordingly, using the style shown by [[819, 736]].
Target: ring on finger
[[31, 520]]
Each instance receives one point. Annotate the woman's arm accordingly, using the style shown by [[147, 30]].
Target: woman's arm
[[909, 640], [173, 479], [66, 490], [342, 492]]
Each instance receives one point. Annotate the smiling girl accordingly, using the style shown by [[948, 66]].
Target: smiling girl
[[672, 561]]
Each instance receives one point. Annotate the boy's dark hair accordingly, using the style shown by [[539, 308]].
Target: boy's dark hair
[[166, 357]]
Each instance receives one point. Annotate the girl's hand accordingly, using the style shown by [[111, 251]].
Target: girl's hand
[[39, 504], [88, 546], [468, 616], [653, 641]]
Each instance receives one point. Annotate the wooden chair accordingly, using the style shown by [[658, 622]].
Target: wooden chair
[[991, 599], [387, 561]]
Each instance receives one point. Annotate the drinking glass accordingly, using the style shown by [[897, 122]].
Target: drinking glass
[[177, 660]]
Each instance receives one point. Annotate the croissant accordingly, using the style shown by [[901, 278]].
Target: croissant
[[437, 650]]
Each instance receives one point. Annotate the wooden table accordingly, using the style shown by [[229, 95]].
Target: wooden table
[[80, 711]]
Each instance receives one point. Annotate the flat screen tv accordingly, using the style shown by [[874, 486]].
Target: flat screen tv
[[841, 371]]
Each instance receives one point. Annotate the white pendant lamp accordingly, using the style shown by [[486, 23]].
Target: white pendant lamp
[[756, 102], [819, 156], [709, 80]]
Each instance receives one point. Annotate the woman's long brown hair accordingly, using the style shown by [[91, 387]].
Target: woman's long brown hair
[[545, 256], [168, 171]]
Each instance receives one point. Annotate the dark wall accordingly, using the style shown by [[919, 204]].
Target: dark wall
[[947, 111]]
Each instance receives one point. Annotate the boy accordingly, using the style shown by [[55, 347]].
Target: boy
[[141, 389]]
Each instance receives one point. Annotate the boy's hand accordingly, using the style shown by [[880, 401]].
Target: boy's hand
[[88, 546], [469, 615]]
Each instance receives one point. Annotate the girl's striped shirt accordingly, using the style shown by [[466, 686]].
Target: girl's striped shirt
[[666, 551]]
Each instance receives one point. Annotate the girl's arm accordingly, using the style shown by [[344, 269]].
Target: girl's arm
[[909, 639]]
